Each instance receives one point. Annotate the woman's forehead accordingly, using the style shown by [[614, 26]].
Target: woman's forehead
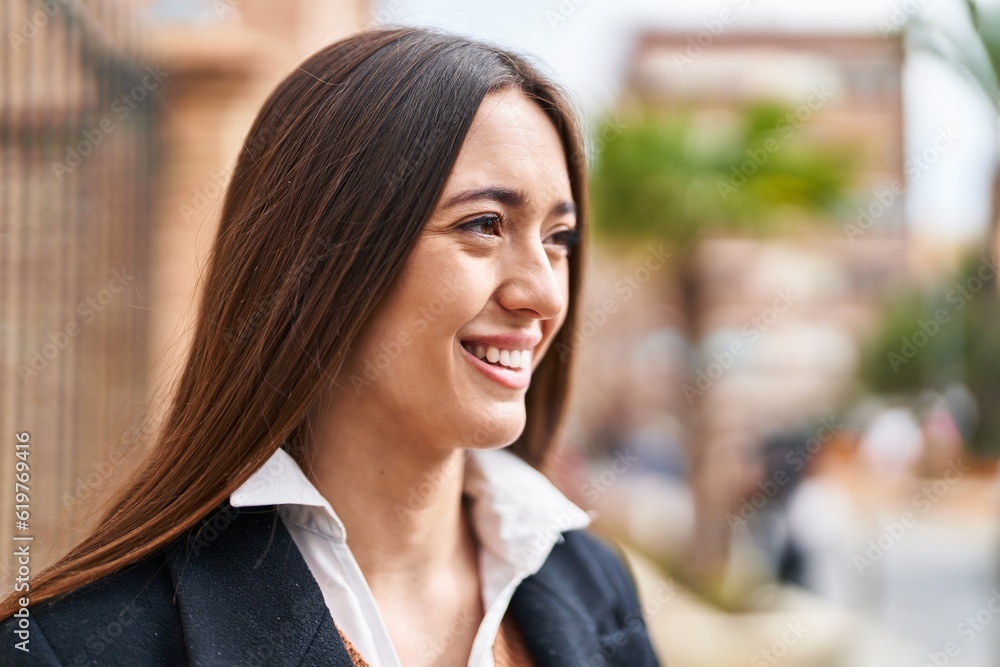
[[511, 145]]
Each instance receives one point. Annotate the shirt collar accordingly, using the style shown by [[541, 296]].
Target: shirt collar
[[517, 512]]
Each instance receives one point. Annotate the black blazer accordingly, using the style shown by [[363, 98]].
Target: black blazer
[[236, 591]]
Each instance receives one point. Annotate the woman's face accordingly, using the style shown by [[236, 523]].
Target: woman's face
[[489, 276]]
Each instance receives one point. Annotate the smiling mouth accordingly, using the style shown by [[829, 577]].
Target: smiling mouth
[[513, 360]]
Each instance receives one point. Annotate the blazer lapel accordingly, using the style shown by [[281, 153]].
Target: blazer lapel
[[568, 620], [555, 633], [247, 597]]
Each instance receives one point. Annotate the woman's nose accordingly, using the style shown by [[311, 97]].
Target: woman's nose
[[532, 282]]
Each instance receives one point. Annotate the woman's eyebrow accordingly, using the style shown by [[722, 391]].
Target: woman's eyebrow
[[564, 208], [507, 197]]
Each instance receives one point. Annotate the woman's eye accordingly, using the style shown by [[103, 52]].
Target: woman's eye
[[568, 238], [490, 223]]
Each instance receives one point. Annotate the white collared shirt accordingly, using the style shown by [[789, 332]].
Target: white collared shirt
[[517, 513]]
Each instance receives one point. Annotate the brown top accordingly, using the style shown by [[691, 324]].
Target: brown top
[[509, 649], [356, 658]]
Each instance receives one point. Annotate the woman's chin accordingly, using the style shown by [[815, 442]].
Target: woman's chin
[[498, 427]]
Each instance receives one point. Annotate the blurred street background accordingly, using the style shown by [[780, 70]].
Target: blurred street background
[[787, 404]]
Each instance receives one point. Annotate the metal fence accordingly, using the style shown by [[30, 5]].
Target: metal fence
[[79, 111]]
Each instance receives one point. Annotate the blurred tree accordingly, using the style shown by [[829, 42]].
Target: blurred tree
[[974, 49], [972, 46], [668, 176], [948, 335], [677, 176], [672, 176]]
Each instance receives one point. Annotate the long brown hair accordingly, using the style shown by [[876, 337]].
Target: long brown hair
[[359, 139]]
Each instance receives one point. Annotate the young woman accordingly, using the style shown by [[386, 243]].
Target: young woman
[[349, 473]]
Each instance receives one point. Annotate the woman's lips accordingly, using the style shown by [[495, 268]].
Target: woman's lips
[[512, 378]]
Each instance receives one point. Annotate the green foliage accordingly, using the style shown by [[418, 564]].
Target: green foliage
[[972, 46], [929, 340], [968, 347], [674, 176]]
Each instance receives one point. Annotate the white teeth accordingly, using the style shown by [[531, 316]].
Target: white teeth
[[509, 358]]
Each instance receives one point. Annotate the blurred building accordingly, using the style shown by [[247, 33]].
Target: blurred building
[[798, 305], [774, 337]]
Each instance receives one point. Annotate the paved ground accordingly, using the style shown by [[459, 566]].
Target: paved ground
[[929, 593]]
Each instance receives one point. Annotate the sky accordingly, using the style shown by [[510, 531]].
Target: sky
[[585, 45]]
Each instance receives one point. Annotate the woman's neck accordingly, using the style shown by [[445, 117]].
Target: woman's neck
[[401, 504]]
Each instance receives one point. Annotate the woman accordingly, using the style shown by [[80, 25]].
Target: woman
[[388, 306]]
